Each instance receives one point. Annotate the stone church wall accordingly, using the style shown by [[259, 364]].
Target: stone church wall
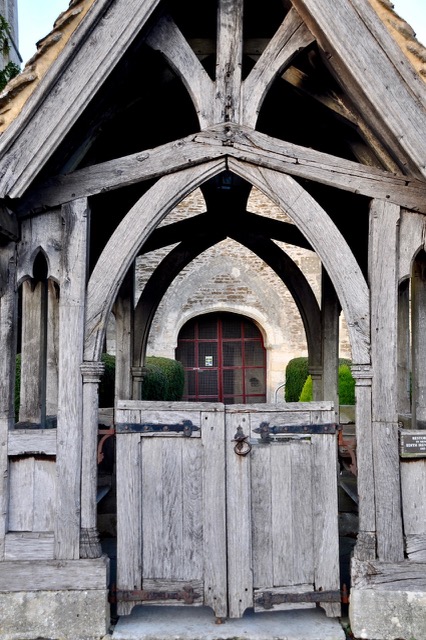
[[229, 277]]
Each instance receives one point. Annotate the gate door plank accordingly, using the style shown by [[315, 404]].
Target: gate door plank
[[171, 523], [214, 531], [238, 502], [283, 545], [128, 516], [327, 577]]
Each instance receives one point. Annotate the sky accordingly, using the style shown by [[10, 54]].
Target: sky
[[36, 18]]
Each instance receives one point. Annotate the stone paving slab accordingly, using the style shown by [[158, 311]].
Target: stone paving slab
[[179, 623]]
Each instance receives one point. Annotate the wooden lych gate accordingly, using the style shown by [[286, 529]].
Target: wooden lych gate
[[232, 507], [128, 109]]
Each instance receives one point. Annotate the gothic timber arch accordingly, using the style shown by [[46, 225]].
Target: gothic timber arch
[[151, 208]]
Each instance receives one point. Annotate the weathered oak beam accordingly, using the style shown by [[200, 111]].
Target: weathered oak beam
[[242, 143], [291, 37], [167, 38], [91, 54], [229, 60], [389, 94]]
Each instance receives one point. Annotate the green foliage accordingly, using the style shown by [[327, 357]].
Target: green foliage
[[174, 373], [295, 376], [346, 386], [164, 380], [11, 69], [154, 385], [307, 391]]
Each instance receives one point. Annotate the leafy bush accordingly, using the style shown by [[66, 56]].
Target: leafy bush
[[175, 375], [346, 386], [155, 383], [306, 394], [11, 69], [295, 376], [164, 380]]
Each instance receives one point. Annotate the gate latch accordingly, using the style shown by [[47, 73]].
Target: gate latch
[[242, 446]]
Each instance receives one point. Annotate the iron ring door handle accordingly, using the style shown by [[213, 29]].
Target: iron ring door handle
[[242, 445]]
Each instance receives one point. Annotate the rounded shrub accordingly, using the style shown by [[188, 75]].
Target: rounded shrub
[[346, 386], [295, 376], [175, 375], [155, 383]]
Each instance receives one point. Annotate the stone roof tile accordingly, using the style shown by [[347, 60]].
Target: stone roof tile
[[20, 88]]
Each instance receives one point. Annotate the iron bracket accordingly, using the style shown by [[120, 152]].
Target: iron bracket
[[266, 430], [186, 427]]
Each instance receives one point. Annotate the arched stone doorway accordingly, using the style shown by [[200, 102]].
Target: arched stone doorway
[[224, 359]]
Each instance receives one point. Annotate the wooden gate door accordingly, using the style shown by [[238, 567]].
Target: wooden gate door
[[230, 507], [286, 488], [171, 538]]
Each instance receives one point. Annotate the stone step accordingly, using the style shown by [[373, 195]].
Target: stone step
[[184, 623]]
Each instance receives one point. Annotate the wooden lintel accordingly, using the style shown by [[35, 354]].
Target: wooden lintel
[[9, 227], [239, 142]]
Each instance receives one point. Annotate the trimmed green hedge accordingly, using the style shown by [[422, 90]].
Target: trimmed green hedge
[[346, 386], [164, 380], [175, 377], [295, 376]]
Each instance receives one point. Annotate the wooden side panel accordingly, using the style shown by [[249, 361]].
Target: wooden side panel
[[29, 546], [413, 489], [32, 495], [21, 494]]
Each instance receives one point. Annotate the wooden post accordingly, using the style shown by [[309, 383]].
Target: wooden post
[[330, 311], [384, 220], [229, 60], [124, 328], [71, 336], [366, 541], [89, 538], [8, 315], [138, 374], [316, 373]]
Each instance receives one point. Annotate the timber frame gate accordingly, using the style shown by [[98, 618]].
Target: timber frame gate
[[231, 507]]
